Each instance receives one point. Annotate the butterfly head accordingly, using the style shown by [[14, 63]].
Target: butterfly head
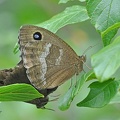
[[83, 58]]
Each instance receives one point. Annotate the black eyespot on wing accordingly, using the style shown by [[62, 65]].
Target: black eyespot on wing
[[37, 36]]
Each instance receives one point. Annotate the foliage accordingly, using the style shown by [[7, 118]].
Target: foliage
[[105, 17], [18, 92]]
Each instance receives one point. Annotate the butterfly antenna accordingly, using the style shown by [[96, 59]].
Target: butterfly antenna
[[87, 66], [85, 53]]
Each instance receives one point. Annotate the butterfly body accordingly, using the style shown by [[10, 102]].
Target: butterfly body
[[48, 59]]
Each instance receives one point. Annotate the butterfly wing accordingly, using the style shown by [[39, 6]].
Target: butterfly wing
[[48, 59]]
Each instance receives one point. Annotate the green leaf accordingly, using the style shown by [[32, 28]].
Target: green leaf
[[16, 48], [70, 15], [107, 61], [18, 92], [104, 14], [107, 37], [116, 25], [100, 94], [89, 76], [65, 101], [109, 33]]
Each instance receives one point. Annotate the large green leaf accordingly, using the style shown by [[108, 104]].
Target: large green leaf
[[107, 61], [104, 14], [100, 94], [70, 15], [18, 92]]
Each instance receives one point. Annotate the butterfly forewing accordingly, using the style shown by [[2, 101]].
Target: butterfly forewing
[[49, 61]]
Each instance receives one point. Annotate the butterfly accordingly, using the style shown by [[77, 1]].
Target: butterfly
[[48, 60]]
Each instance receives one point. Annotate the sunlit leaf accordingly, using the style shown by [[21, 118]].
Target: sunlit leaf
[[18, 92], [70, 15], [107, 61]]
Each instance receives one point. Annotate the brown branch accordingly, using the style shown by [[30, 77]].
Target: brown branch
[[18, 75]]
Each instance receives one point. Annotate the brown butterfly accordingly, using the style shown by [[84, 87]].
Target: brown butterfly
[[48, 60]]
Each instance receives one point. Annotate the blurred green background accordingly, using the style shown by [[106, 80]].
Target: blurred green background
[[13, 14]]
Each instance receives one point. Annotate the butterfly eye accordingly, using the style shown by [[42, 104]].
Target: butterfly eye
[[37, 36]]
